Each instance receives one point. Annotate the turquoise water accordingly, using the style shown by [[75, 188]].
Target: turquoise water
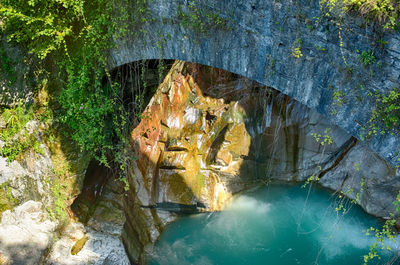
[[274, 225]]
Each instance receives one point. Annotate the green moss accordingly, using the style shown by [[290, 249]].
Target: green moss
[[201, 18], [7, 67], [178, 188], [77, 247], [200, 182], [59, 200], [367, 58], [14, 134], [7, 201]]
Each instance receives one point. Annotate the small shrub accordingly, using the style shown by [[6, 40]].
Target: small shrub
[[367, 57], [296, 49], [386, 117], [385, 12], [7, 67], [201, 18]]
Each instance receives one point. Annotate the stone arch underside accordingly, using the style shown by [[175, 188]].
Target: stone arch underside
[[256, 40]]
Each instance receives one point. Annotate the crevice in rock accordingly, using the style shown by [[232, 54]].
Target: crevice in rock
[[216, 144], [343, 181], [210, 118], [155, 186], [170, 167], [164, 124], [177, 149], [177, 208], [341, 153], [96, 178]]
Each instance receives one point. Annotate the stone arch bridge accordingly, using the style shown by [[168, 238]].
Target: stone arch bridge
[[283, 45]]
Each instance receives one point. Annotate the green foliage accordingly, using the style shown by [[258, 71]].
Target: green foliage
[[320, 48], [12, 150], [59, 201], [15, 136], [125, 183], [7, 201], [201, 18], [367, 57], [15, 120], [381, 236], [385, 12], [296, 48], [86, 113], [341, 205], [386, 117], [312, 178], [397, 202], [43, 25], [7, 67], [77, 34], [323, 139], [338, 97]]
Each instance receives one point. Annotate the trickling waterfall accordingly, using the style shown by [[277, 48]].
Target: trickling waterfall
[[267, 116]]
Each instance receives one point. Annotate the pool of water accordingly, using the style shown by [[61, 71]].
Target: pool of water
[[275, 225]]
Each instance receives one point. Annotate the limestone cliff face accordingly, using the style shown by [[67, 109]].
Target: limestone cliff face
[[207, 134]]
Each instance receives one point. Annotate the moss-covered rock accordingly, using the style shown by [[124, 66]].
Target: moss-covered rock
[[79, 245]]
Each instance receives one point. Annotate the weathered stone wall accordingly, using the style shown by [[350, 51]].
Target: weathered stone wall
[[258, 41]]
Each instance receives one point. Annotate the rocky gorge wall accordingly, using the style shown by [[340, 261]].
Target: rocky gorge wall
[[208, 134]]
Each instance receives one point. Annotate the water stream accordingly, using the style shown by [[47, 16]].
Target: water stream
[[275, 225]]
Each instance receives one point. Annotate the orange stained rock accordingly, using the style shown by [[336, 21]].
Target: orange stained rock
[[189, 125]]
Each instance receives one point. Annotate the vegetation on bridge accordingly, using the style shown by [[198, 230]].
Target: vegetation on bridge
[[385, 12]]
